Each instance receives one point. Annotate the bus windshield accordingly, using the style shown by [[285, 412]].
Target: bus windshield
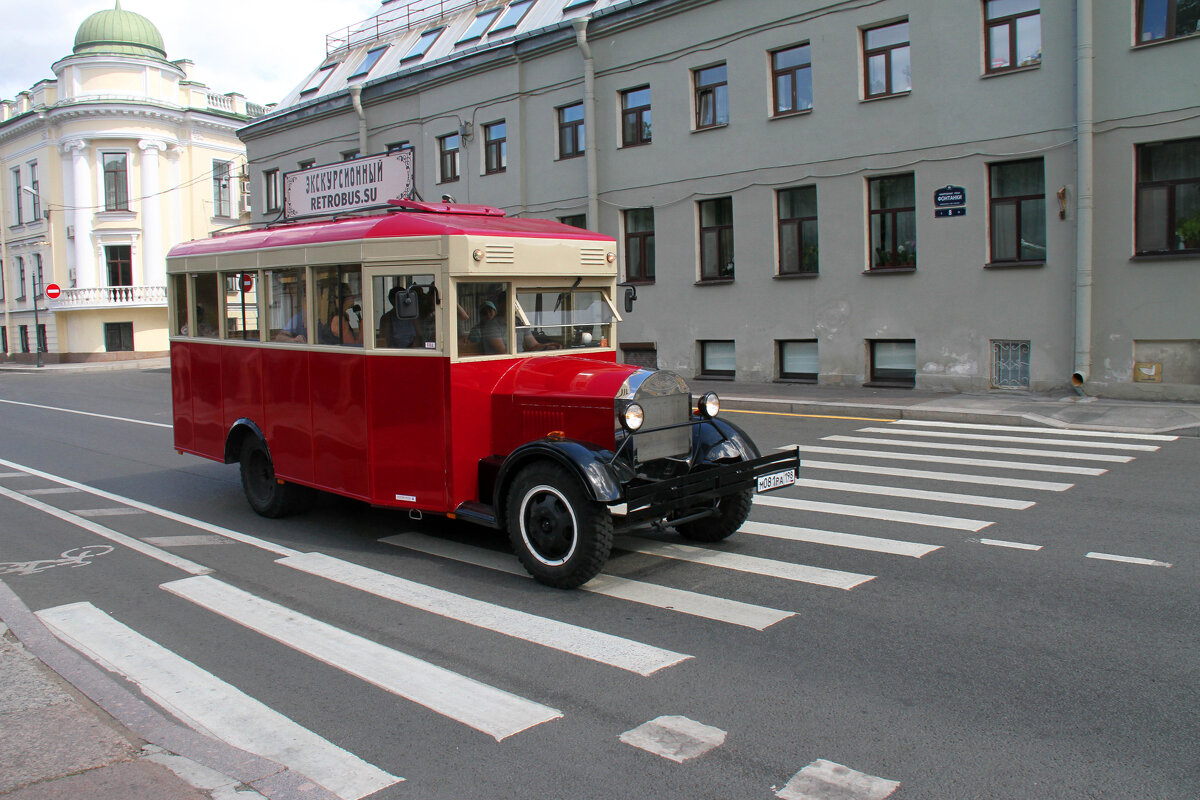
[[554, 319]]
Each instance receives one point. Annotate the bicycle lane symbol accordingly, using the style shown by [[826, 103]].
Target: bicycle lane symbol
[[75, 557]]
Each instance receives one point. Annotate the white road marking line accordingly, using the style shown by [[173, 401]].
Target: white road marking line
[[1149, 437], [1013, 545], [89, 414], [801, 573], [694, 604], [211, 705], [52, 490], [1145, 562], [194, 540], [976, 448], [493, 711], [1026, 466], [836, 539], [108, 512], [162, 512], [870, 512], [825, 780], [604, 648], [952, 477], [117, 537], [14, 474], [674, 738], [982, 437], [916, 494]]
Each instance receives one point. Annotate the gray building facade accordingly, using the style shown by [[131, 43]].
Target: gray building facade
[[987, 194]]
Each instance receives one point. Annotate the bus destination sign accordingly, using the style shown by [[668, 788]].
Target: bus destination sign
[[348, 185]]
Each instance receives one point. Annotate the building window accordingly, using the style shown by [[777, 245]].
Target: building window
[[2, 284], [43, 345], [3, 340], [39, 285], [635, 116], [574, 220], [1014, 34], [422, 44], [886, 60], [640, 354], [1167, 19], [24, 338], [570, 131], [512, 16], [308, 163], [639, 245], [893, 362], [717, 359], [1010, 364], [791, 80], [21, 278], [572, 5], [1017, 212], [116, 181], [396, 147], [798, 230], [350, 155], [495, 148], [368, 63], [712, 96], [716, 239], [1168, 197], [448, 158], [119, 260], [271, 189], [317, 80], [35, 192], [118, 337], [798, 360], [893, 219], [222, 197], [479, 26], [18, 197]]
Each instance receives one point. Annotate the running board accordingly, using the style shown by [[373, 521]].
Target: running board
[[478, 513]]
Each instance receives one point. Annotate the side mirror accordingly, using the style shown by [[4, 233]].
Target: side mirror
[[407, 304], [630, 296]]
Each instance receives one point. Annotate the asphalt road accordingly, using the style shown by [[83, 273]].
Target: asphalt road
[[898, 623]]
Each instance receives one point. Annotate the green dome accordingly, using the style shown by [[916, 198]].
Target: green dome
[[119, 32]]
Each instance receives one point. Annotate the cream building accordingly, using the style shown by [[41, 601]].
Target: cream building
[[104, 168]]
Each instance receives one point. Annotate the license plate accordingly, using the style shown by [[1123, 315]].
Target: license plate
[[776, 480]]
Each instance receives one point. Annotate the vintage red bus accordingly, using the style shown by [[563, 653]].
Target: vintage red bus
[[447, 359]]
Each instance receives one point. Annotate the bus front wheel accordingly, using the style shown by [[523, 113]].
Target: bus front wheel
[[266, 494], [731, 512], [561, 535]]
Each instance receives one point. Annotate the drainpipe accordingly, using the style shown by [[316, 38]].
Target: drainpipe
[[356, 100], [1084, 110], [6, 263], [589, 119]]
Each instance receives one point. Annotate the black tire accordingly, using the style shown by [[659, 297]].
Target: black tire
[[732, 510], [266, 494], [560, 534]]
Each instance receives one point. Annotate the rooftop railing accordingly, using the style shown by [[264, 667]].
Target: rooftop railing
[[397, 17]]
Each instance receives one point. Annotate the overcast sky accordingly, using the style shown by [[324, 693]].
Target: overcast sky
[[260, 48]]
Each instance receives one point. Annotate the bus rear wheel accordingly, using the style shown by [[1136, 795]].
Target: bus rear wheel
[[731, 512], [266, 494], [561, 535]]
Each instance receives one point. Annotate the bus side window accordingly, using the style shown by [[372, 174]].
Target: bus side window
[[339, 306], [287, 305], [179, 304], [395, 330], [241, 305], [208, 305], [483, 315]]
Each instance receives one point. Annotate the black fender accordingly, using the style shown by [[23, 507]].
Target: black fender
[[238, 432], [600, 475], [717, 439]]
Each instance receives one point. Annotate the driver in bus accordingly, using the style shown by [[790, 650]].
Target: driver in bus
[[346, 327], [490, 331]]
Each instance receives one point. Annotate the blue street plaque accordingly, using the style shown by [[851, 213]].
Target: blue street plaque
[[950, 196], [950, 212]]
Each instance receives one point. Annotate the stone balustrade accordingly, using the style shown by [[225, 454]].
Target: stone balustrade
[[110, 297]]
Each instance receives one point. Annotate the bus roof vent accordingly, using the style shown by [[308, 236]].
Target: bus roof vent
[[499, 253], [592, 256]]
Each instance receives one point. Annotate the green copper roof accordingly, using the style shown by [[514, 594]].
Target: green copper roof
[[119, 32]]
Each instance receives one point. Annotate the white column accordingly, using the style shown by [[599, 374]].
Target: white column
[[154, 268], [81, 170], [175, 207]]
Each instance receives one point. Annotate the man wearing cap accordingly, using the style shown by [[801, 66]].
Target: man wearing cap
[[492, 331]]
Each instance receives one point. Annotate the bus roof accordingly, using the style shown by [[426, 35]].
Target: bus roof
[[460, 221]]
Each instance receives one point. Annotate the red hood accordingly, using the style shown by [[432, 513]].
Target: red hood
[[580, 381]]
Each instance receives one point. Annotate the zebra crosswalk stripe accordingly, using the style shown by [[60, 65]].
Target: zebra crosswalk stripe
[[983, 437], [1146, 437], [836, 539], [975, 448], [892, 455], [916, 494], [933, 475], [870, 512], [211, 705]]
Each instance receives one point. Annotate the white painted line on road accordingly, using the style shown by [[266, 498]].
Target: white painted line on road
[[1148, 437], [14, 474], [89, 414], [889, 455], [836, 539], [52, 490], [801, 573], [1145, 562], [237, 536], [604, 648], [825, 780], [674, 738], [916, 494], [194, 540], [493, 711], [982, 437], [108, 512], [719, 609], [1012, 545], [209, 704], [975, 448], [870, 512], [951, 477], [117, 537]]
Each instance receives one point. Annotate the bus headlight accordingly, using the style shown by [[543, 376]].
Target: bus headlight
[[632, 417], [709, 405]]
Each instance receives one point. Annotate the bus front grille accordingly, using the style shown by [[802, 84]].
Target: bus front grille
[[672, 409]]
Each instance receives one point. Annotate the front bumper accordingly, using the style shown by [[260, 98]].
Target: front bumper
[[669, 497]]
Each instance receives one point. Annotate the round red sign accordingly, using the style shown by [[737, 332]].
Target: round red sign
[[247, 282], [53, 291]]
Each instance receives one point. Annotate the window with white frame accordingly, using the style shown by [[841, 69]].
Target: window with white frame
[[18, 197], [271, 190], [35, 191], [222, 192]]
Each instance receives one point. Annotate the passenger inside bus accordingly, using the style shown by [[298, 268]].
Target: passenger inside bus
[[345, 323]]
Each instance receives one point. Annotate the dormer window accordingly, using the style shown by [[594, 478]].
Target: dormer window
[[317, 80], [512, 16], [479, 27], [368, 63], [422, 45]]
